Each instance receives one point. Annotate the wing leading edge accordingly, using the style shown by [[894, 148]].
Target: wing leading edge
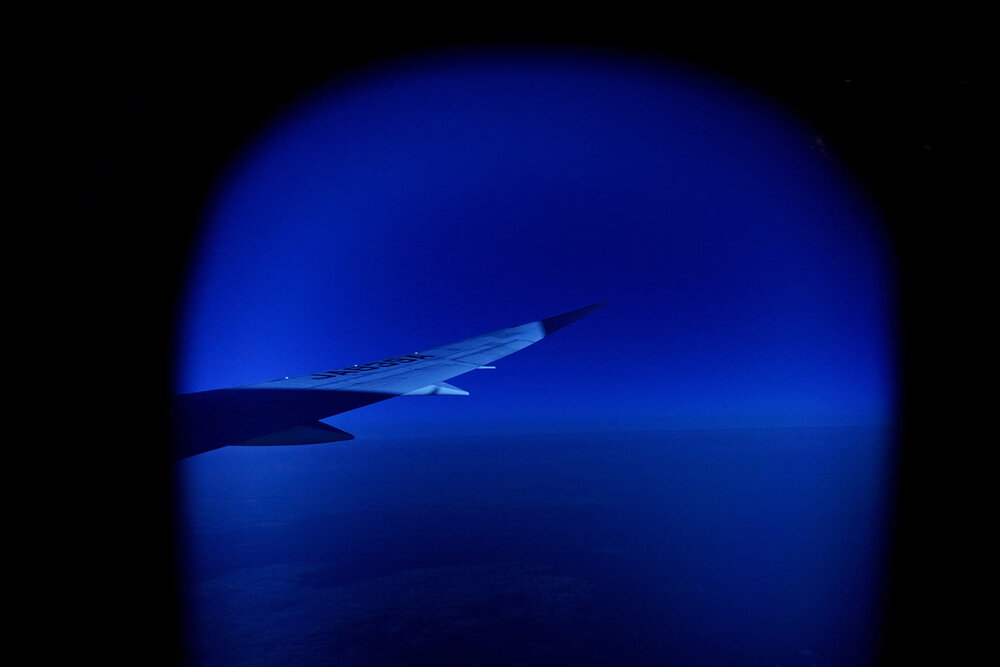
[[287, 411]]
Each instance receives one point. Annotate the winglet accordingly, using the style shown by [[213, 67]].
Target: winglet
[[557, 322]]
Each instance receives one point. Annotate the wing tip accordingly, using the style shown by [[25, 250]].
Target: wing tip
[[557, 322]]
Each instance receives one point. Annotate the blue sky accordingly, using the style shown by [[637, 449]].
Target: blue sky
[[421, 202]]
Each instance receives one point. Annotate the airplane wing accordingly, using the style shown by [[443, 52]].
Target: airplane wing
[[287, 411]]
